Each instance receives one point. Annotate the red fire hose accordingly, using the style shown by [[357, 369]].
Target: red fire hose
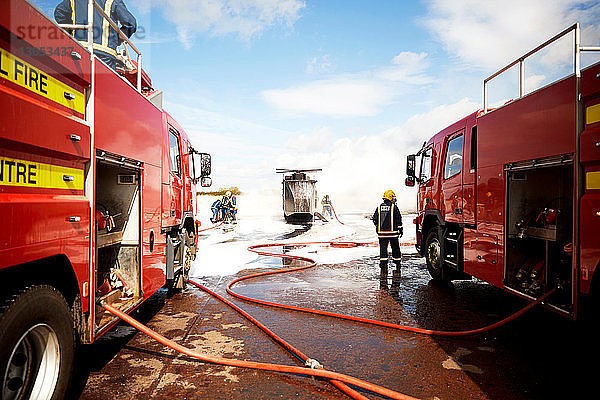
[[338, 380], [307, 361], [335, 214], [212, 227], [322, 373], [311, 263], [315, 370]]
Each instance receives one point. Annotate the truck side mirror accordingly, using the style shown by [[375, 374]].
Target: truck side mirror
[[201, 163], [410, 167], [410, 170], [205, 165]]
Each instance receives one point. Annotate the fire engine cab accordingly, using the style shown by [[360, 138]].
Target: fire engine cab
[[512, 195], [97, 196]]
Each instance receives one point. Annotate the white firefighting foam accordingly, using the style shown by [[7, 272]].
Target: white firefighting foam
[[260, 220]]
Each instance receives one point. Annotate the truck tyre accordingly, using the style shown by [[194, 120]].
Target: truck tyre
[[37, 345], [434, 254]]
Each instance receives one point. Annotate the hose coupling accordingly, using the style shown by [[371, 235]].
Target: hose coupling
[[313, 364]]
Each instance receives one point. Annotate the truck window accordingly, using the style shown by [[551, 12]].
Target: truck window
[[426, 166], [174, 150], [453, 162]]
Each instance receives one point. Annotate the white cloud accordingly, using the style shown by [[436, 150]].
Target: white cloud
[[408, 58], [408, 67], [561, 53], [319, 141], [357, 171], [239, 158], [352, 95], [185, 36], [245, 19], [533, 82], [344, 98], [201, 118], [319, 64], [490, 34], [421, 127]]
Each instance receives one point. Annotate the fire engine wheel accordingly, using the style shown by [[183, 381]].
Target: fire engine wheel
[[434, 254], [37, 345]]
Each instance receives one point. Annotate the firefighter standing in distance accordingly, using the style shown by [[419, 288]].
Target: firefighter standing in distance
[[327, 207], [106, 39], [388, 221]]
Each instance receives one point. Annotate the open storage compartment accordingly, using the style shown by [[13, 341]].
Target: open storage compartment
[[539, 237], [118, 251]]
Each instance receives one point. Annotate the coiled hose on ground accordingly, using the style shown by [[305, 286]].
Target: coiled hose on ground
[[312, 367]]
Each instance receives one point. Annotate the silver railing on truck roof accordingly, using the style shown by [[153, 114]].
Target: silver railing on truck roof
[[577, 50], [90, 38]]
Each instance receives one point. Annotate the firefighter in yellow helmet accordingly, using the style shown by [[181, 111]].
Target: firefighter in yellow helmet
[[388, 221]]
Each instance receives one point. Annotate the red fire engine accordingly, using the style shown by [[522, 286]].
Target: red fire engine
[[512, 195], [97, 197]]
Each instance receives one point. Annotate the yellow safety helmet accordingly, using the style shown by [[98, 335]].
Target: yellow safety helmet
[[389, 194]]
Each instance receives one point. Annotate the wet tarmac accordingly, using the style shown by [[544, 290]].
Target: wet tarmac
[[540, 356]]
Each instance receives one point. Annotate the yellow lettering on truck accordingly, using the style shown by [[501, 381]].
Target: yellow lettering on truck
[[15, 172], [15, 70]]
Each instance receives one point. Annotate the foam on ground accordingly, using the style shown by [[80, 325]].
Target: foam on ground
[[222, 253]]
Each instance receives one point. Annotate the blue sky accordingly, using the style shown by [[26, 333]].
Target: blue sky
[[348, 86]]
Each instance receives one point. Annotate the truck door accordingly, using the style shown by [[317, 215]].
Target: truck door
[[469, 174], [452, 190], [174, 207], [425, 195], [186, 199]]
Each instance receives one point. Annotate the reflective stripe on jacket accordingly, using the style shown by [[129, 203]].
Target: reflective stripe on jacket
[[387, 219]]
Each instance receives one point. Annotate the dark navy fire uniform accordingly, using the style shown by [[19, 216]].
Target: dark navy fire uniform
[[388, 221], [106, 38]]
